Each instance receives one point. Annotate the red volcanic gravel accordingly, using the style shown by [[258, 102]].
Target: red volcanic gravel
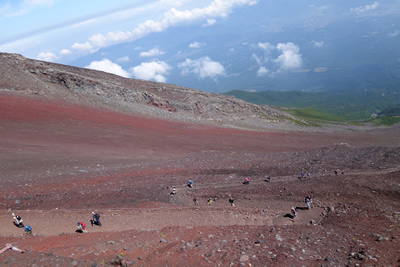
[[59, 162]]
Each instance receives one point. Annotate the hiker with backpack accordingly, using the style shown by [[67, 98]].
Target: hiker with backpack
[[28, 230], [231, 200], [96, 219], [173, 191], [247, 180], [190, 184], [17, 221], [81, 227]]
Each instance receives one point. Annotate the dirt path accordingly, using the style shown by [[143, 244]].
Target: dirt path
[[56, 222]]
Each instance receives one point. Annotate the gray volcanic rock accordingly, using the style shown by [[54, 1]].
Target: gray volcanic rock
[[58, 82]]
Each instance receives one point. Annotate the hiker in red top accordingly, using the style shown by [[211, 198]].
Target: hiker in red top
[[81, 227]]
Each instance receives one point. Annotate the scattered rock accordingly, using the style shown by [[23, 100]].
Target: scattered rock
[[244, 258]]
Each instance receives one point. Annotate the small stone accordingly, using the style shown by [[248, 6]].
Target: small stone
[[244, 258]]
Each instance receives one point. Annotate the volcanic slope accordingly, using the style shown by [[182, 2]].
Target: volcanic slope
[[66, 152], [44, 80]]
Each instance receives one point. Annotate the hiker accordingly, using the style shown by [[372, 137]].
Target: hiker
[[268, 179], [336, 172], [173, 192], [196, 201], [342, 171], [308, 201], [247, 180], [28, 230], [18, 220], [190, 184], [81, 227], [96, 219], [209, 201], [309, 175], [293, 211], [302, 175], [231, 200]]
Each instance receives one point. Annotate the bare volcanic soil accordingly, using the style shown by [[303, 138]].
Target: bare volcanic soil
[[59, 162]]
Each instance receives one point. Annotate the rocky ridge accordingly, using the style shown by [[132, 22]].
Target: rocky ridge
[[46, 80]]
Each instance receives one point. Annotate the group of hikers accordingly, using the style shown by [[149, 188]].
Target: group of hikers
[[293, 210], [80, 227], [338, 171]]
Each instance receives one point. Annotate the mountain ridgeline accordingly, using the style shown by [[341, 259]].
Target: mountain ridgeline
[[55, 82]]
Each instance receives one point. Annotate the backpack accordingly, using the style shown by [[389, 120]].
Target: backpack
[[83, 225]]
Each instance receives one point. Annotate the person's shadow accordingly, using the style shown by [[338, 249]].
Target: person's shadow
[[287, 215], [301, 208]]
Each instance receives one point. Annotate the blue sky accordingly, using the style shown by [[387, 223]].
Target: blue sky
[[201, 44]]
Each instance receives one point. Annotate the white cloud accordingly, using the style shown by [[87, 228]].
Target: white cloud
[[196, 45], [290, 57], [155, 70], [65, 52], [50, 57], [262, 71], [85, 47], [317, 44], [123, 59], [282, 57], [107, 65], [209, 22], [203, 67], [266, 47], [152, 53], [363, 9], [173, 17], [258, 59]]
